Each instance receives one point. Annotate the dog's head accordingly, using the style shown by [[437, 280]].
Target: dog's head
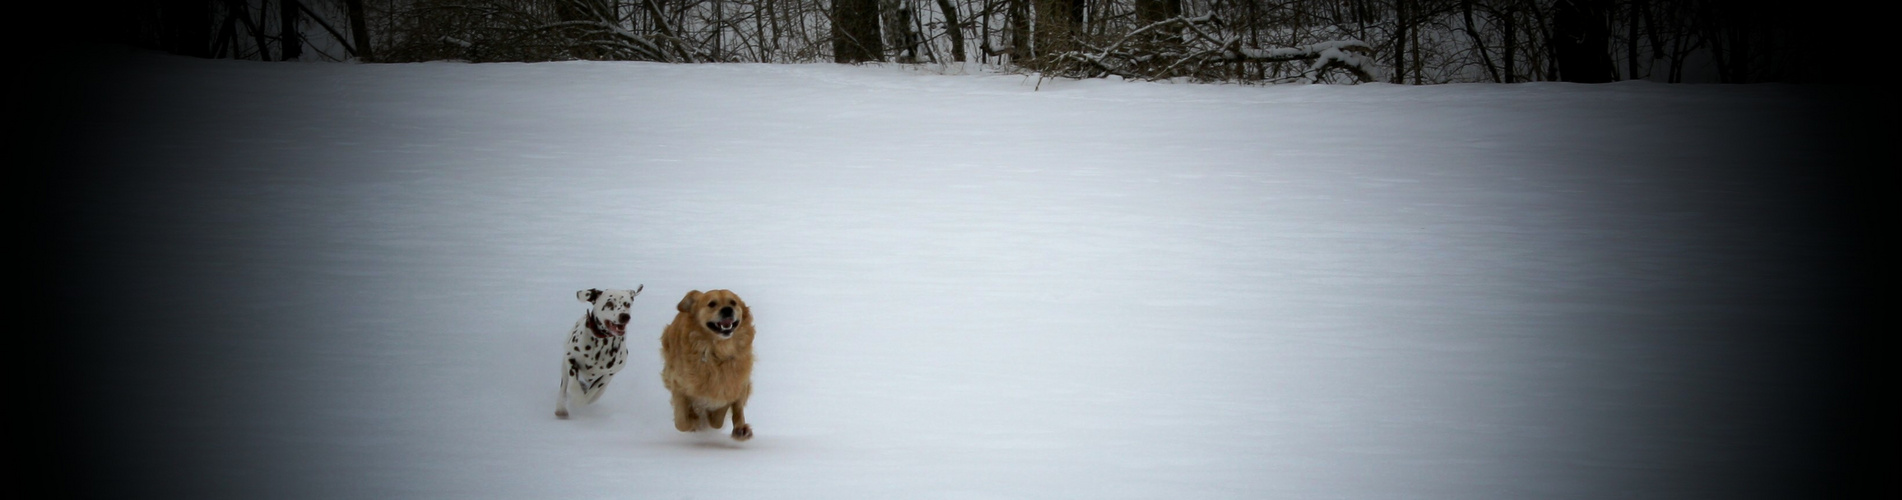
[[719, 312], [610, 314]]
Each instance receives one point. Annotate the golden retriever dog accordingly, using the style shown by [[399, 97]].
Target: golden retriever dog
[[708, 356]]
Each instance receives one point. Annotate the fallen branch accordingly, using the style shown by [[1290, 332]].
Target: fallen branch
[[1187, 46]]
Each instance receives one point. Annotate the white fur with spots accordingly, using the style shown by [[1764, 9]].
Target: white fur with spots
[[597, 347]]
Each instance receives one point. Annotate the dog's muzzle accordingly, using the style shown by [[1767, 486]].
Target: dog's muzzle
[[724, 327], [607, 329]]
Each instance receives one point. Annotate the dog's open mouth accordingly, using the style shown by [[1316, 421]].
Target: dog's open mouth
[[617, 329], [723, 327]]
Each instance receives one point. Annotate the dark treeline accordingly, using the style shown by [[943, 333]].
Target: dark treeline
[[1399, 41]]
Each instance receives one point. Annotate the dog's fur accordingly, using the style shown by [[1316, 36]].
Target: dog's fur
[[596, 347], [708, 355]]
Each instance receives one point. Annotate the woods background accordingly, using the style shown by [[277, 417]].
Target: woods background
[[1398, 41], [1204, 40]]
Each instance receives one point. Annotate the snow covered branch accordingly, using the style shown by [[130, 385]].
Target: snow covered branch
[[497, 30], [1188, 46]]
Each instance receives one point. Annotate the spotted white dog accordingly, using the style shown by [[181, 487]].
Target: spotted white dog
[[595, 348]]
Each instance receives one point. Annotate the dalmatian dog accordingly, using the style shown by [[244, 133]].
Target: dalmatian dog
[[596, 347]]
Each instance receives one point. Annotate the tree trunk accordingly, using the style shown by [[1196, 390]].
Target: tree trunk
[[772, 16], [952, 29], [289, 38], [1466, 7], [1545, 33], [1057, 24], [1419, 65], [227, 38], [673, 37], [359, 32], [984, 34], [1741, 25], [1582, 41], [1651, 32], [1400, 41], [899, 29], [1512, 45], [1631, 39], [855, 33], [238, 9], [719, 31], [187, 28], [577, 11], [1150, 11], [1019, 30]]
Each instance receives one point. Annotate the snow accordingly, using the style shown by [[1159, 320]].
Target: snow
[[354, 280]]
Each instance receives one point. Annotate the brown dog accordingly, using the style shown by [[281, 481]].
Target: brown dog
[[708, 351]]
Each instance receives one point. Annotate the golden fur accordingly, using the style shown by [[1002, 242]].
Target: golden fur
[[707, 373]]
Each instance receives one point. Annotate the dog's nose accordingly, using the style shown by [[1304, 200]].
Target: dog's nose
[[726, 312], [623, 318]]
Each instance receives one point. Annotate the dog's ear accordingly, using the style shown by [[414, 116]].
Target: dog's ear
[[637, 289], [686, 303], [588, 295]]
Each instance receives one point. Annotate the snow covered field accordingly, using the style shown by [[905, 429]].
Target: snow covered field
[[353, 281]]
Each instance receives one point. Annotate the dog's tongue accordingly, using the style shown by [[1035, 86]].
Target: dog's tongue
[[726, 324]]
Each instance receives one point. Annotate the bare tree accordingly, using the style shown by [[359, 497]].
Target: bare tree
[[290, 38], [1581, 41], [953, 29], [187, 26], [900, 36], [855, 33], [1479, 45], [1402, 41], [359, 32]]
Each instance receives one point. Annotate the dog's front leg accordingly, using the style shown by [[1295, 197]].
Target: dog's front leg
[[686, 418], [741, 431], [594, 389], [561, 401]]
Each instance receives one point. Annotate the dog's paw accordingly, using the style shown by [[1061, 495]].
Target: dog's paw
[[742, 432], [561, 413]]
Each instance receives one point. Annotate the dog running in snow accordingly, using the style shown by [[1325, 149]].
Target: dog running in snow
[[708, 356], [596, 347]]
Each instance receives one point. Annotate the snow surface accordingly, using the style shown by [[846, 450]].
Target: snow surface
[[355, 280]]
